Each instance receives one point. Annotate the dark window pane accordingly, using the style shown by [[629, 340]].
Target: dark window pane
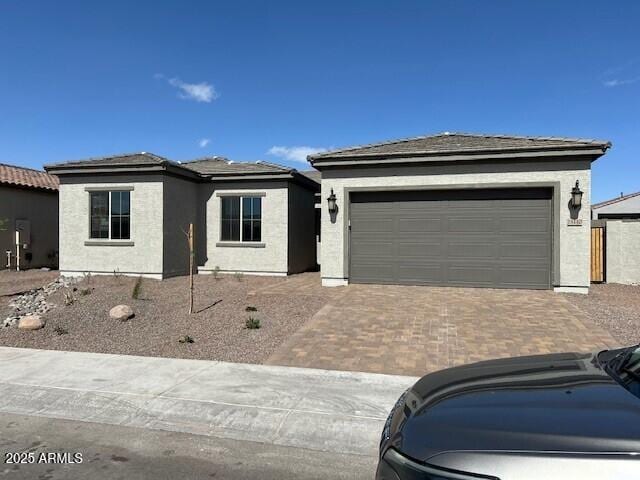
[[115, 227], [115, 203], [246, 231], [125, 231], [257, 208], [99, 210], [230, 230], [246, 208], [125, 203], [257, 231]]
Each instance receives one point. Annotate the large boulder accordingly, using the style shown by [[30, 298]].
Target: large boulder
[[121, 312], [31, 322]]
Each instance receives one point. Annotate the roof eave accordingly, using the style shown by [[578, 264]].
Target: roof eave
[[62, 169], [421, 157]]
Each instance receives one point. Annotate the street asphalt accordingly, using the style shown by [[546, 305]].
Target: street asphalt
[[112, 452]]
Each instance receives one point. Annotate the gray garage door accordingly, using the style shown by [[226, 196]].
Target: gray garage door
[[477, 238]]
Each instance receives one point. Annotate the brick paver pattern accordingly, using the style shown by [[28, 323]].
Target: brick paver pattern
[[413, 330]]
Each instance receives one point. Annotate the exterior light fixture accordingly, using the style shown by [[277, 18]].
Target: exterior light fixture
[[576, 196], [331, 201]]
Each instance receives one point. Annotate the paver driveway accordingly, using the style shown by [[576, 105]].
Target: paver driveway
[[414, 330]]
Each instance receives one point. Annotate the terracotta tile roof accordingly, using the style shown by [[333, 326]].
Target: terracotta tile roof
[[621, 198], [26, 177], [451, 142]]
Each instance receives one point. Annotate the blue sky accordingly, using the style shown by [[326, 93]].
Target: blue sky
[[272, 80]]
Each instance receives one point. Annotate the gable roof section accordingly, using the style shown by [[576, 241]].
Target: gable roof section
[[621, 198], [27, 177], [463, 145]]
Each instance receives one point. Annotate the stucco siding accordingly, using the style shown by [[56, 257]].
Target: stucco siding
[[40, 208], [180, 199], [302, 238], [623, 254], [571, 243], [144, 257], [270, 256], [630, 205]]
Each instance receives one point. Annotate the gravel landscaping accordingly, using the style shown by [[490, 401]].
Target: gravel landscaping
[[614, 307], [217, 328]]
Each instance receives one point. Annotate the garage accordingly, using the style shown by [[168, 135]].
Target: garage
[[498, 238]]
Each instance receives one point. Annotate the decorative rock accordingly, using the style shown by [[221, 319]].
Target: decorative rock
[[121, 312], [31, 322]]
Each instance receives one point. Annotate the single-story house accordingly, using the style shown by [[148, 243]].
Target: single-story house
[[458, 209], [129, 214], [29, 206], [624, 207]]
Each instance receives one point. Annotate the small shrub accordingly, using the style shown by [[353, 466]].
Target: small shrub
[[88, 278], [216, 272], [251, 309], [61, 331], [137, 288], [85, 291], [253, 323], [186, 339], [69, 299], [238, 276], [118, 276]]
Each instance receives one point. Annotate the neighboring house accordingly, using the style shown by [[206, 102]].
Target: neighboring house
[[459, 210], [129, 214], [29, 204], [622, 207]]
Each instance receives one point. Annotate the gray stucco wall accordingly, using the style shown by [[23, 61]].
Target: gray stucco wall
[[180, 198], [623, 251], [630, 205], [270, 256], [79, 255], [571, 243], [302, 238], [40, 207]]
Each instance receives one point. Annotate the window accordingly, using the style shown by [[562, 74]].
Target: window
[[110, 215], [241, 219]]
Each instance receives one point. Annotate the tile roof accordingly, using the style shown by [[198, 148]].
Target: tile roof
[[314, 175], [447, 143], [621, 198], [140, 158], [224, 166], [26, 177]]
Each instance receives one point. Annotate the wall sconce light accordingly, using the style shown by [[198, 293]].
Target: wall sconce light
[[331, 201], [576, 196]]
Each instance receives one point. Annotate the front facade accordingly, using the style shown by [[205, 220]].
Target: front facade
[[28, 218], [130, 215], [459, 210]]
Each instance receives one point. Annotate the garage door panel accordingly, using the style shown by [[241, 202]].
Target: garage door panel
[[419, 249], [472, 250], [418, 225], [486, 238]]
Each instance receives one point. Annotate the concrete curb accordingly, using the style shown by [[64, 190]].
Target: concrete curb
[[322, 410]]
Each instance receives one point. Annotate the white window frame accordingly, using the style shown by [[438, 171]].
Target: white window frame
[[110, 191], [241, 196]]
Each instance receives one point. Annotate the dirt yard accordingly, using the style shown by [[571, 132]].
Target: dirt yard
[[614, 307], [161, 316]]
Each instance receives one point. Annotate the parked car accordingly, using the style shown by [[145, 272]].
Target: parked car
[[549, 417]]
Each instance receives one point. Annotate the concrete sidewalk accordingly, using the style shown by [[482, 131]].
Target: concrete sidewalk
[[321, 410]]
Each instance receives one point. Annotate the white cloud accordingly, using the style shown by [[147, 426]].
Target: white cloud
[[616, 82], [200, 92], [294, 154], [203, 142]]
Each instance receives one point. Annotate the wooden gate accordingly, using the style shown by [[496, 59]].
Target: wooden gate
[[597, 254]]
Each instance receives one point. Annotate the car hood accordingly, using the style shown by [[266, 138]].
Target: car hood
[[560, 402]]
